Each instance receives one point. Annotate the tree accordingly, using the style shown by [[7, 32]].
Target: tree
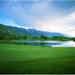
[[73, 38], [42, 37]]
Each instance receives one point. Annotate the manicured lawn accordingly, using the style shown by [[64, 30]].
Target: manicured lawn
[[19, 58]]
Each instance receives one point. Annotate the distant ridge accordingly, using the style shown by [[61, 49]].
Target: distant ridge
[[19, 32]]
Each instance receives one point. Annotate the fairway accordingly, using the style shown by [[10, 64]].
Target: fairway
[[20, 58]]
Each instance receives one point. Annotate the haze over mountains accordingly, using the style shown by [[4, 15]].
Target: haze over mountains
[[11, 31]]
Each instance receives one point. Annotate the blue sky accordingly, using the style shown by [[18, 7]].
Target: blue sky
[[45, 15]]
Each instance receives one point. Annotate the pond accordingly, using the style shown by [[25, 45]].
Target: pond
[[46, 43]]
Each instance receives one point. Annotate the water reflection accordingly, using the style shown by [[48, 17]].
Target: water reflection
[[38, 43], [43, 43]]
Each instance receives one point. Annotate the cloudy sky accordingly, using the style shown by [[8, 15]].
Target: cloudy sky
[[45, 15]]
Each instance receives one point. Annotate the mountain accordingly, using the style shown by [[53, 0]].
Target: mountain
[[49, 34], [9, 31]]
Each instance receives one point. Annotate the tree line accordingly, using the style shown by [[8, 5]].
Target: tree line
[[41, 37]]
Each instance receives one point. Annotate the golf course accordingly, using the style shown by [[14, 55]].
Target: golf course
[[27, 59]]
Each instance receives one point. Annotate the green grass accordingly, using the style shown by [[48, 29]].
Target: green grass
[[19, 58]]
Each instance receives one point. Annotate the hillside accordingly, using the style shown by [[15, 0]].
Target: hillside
[[15, 32]]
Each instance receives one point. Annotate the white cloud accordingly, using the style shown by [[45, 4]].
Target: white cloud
[[63, 24]]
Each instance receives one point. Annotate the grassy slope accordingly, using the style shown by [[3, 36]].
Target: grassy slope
[[18, 58]]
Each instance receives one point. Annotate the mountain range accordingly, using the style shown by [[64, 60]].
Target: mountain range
[[19, 32]]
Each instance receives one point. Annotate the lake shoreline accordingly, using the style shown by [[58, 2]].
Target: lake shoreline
[[50, 43]]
